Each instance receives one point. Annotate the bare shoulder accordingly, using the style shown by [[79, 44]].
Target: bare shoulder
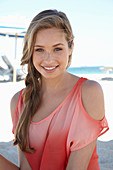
[[93, 99], [92, 86], [13, 103]]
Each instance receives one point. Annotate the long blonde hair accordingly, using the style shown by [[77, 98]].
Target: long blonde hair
[[31, 94]]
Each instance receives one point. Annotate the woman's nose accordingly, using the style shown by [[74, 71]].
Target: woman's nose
[[48, 56]]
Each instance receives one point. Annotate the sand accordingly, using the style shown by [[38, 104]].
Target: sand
[[105, 142]]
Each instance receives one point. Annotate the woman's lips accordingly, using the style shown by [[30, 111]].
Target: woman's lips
[[49, 68]]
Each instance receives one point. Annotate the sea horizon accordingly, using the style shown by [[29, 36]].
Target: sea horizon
[[89, 70]]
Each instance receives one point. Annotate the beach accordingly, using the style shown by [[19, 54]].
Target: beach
[[105, 142]]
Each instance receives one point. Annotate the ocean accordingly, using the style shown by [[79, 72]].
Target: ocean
[[88, 70]]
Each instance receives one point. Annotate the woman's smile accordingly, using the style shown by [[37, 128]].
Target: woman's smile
[[50, 69], [51, 53]]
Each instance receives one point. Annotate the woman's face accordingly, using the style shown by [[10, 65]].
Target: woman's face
[[51, 52]]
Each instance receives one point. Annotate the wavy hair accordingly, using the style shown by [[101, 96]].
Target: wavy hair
[[31, 94]]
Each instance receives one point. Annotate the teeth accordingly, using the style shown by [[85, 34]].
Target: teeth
[[49, 68]]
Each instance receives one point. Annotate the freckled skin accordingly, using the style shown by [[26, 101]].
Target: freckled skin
[[51, 51]]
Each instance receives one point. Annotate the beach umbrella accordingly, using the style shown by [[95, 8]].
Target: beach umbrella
[[13, 32]]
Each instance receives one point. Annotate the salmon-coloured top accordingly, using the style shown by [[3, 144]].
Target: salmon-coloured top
[[66, 129]]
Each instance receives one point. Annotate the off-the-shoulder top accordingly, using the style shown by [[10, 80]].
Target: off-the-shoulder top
[[66, 129]]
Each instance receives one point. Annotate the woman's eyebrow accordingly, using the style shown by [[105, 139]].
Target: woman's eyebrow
[[53, 45], [58, 44], [38, 46]]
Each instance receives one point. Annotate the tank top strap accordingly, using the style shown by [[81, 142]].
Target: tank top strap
[[18, 111], [19, 105], [81, 81], [79, 85]]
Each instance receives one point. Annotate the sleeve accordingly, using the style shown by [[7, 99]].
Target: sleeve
[[83, 129], [17, 112]]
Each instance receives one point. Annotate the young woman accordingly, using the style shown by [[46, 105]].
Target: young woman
[[58, 116]]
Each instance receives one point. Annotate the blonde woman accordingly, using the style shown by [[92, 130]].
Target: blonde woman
[[58, 116]]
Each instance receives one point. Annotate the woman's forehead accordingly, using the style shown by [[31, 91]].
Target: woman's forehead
[[53, 35], [50, 30]]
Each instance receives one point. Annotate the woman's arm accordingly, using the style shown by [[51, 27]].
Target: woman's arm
[[6, 164], [24, 165], [93, 102], [79, 159]]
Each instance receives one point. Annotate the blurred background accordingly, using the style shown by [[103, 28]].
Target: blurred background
[[92, 24]]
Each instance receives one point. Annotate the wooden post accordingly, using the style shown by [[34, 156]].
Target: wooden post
[[14, 68]]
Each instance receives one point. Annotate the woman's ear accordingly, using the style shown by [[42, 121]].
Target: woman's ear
[[71, 47]]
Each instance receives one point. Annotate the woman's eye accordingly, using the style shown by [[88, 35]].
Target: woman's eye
[[58, 49], [39, 50]]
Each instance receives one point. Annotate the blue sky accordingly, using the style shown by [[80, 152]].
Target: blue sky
[[91, 20]]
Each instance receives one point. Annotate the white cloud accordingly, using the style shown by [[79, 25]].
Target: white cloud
[[14, 21]]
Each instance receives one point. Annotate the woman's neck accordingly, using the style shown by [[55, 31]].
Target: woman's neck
[[55, 84]]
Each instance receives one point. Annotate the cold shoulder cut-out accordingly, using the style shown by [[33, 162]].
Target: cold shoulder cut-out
[[66, 129]]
